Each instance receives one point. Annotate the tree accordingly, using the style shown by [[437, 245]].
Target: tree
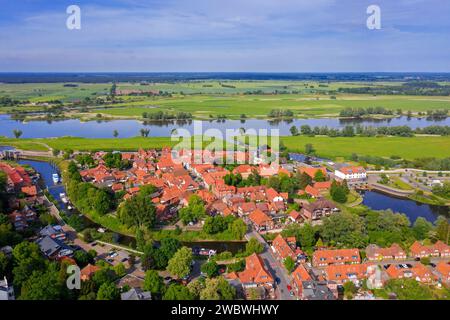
[[305, 129], [253, 246], [442, 229], [194, 211], [55, 152], [137, 211], [108, 291], [422, 228], [425, 261], [153, 258], [27, 258], [294, 131], [339, 192], [82, 258], [306, 235], [289, 264], [349, 290], [217, 289], [215, 224], [17, 133], [120, 269], [144, 132], [195, 287], [408, 289], [4, 264], [169, 246], [177, 292], [42, 285], [339, 195], [319, 176], [153, 282], [210, 268], [304, 180], [237, 228], [309, 149], [344, 229], [180, 264]]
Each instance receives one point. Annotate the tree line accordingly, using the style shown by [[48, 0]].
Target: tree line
[[368, 131]]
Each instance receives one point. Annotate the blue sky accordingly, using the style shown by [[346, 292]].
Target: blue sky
[[228, 35]]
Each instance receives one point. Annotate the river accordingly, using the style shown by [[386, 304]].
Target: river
[[412, 209], [130, 128]]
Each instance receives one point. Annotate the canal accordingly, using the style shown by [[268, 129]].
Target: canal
[[46, 170]]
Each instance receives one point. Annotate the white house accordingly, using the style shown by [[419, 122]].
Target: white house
[[351, 173]]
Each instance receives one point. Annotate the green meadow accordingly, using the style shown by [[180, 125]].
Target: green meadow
[[212, 98], [407, 148], [258, 106]]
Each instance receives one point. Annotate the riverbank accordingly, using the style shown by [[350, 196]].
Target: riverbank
[[407, 148]]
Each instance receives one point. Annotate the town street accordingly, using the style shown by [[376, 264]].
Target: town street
[[276, 269]]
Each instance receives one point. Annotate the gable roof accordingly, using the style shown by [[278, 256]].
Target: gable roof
[[255, 271], [258, 217]]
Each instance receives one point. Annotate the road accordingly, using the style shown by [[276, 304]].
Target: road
[[274, 267]]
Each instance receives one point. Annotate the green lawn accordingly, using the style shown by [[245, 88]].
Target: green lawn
[[407, 148]]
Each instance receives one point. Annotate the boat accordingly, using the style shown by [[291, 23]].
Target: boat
[[63, 198], [206, 252], [55, 178]]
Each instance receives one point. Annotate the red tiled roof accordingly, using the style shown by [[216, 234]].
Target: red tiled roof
[[255, 271], [259, 218], [312, 171], [336, 256], [346, 272], [352, 170], [312, 191], [282, 248]]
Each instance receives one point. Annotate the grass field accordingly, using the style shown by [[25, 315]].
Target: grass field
[[86, 144], [258, 106], [407, 148], [205, 98]]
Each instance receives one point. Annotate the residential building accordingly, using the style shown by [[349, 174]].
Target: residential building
[[283, 249], [53, 248], [438, 249], [394, 252], [6, 290], [327, 257], [260, 220], [255, 273], [354, 176], [318, 210], [419, 272], [346, 272], [136, 294], [443, 272], [88, 271]]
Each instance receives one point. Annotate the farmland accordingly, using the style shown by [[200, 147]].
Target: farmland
[[205, 99]]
